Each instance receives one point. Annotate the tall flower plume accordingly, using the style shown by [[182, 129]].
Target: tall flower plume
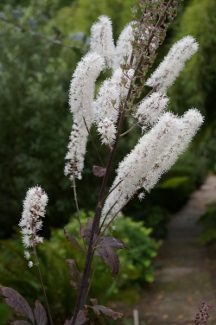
[[173, 63], [33, 210], [81, 97], [101, 40], [154, 154]]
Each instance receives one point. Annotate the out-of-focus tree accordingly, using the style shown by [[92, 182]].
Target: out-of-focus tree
[[196, 85], [35, 123], [197, 88]]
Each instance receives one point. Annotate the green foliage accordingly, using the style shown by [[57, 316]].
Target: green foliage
[[34, 118], [84, 13], [173, 193], [196, 85], [35, 124], [208, 224], [135, 267]]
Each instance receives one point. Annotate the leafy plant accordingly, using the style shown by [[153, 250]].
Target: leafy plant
[[136, 267], [208, 224]]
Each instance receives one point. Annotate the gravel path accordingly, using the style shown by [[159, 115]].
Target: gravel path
[[183, 281]]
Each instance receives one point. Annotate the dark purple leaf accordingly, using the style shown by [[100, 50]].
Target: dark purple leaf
[[14, 300], [85, 233], [98, 171], [21, 322], [94, 301], [40, 313], [74, 273], [110, 257], [112, 242], [81, 318], [106, 311], [73, 241]]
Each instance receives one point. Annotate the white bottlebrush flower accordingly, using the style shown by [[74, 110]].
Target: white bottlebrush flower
[[124, 47], [81, 97], [187, 127], [33, 210], [106, 106], [173, 63], [101, 39], [135, 166], [107, 130], [151, 108]]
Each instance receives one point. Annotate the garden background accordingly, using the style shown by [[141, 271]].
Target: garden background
[[41, 43]]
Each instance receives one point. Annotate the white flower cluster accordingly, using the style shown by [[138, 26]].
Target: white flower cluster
[[168, 136], [81, 97], [155, 153], [173, 64], [104, 110], [30, 223]]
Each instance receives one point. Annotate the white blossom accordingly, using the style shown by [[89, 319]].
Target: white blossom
[[33, 210], [30, 264], [150, 109], [81, 97], [101, 40], [187, 127], [135, 166], [173, 63], [107, 103], [124, 47]]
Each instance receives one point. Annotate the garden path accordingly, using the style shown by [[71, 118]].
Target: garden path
[[183, 280]]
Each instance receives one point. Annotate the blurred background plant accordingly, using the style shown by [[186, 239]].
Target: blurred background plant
[[135, 271]]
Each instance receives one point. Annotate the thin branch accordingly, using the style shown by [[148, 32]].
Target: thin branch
[[76, 201], [95, 147], [126, 132], [92, 277], [119, 210], [77, 208], [97, 241], [42, 284], [100, 203]]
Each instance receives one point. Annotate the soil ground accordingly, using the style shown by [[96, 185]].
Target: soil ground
[[186, 275]]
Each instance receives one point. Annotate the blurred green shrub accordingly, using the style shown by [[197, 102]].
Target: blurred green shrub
[[173, 192], [135, 267], [208, 224]]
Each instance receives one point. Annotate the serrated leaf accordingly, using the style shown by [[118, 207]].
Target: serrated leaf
[[107, 241], [106, 311], [14, 300], [74, 273], [81, 318], [73, 240], [40, 314], [98, 171], [110, 257]]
